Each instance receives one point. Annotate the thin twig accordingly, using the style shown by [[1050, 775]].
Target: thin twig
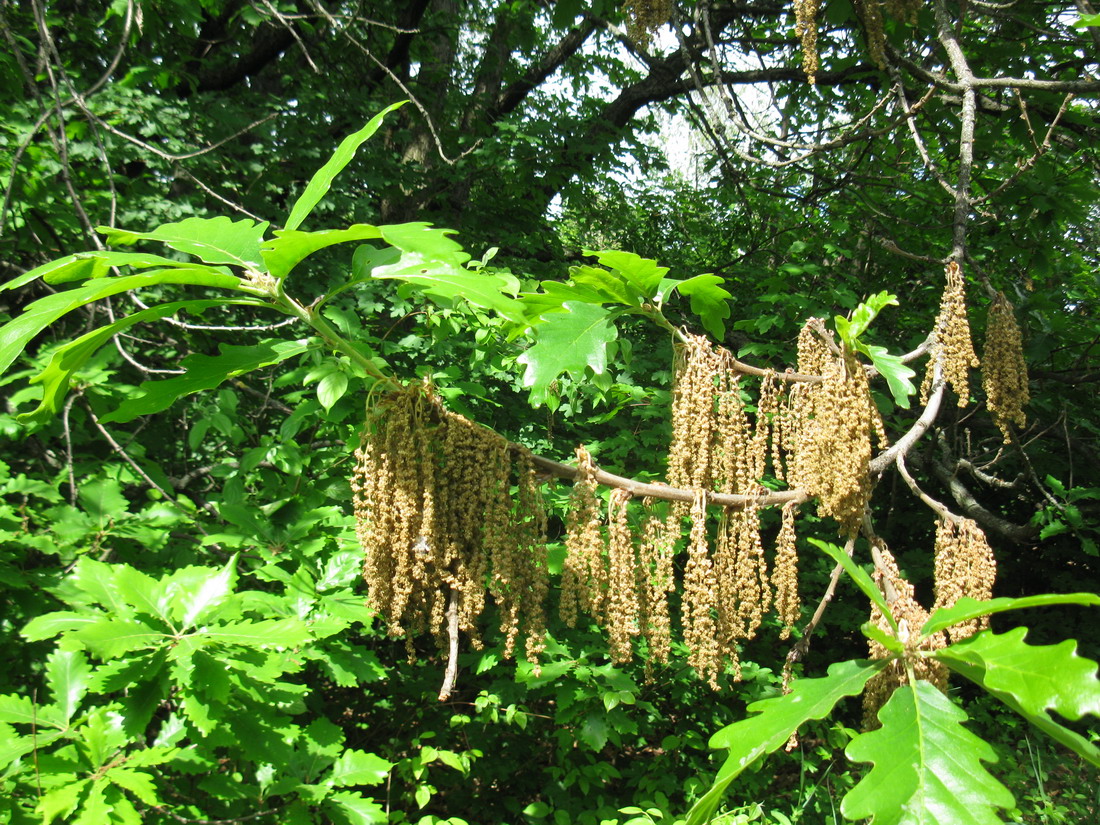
[[450, 676]]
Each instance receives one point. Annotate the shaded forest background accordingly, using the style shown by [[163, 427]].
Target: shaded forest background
[[542, 129]]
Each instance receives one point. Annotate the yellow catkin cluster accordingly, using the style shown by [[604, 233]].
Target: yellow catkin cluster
[[734, 456], [585, 574], [910, 617], [1004, 371], [785, 573], [805, 26], [622, 611], [952, 346], [644, 17], [740, 572], [828, 437], [697, 370], [656, 547], [964, 567], [439, 526], [700, 599], [870, 14]]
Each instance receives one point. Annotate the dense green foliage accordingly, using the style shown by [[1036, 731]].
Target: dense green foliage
[[179, 573]]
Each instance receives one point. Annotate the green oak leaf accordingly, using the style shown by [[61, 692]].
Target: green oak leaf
[[204, 372], [66, 360], [967, 608], [610, 286], [75, 267], [893, 369], [322, 179], [642, 273], [862, 316], [708, 300], [568, 342], [68, 676], [860, 576], [775, 720], [1032, 680], [555, 294], [351, 808], [219, 240], [435, 264], [110, 637], [18, 332], [927, 767], [356, 767], [289, 248]]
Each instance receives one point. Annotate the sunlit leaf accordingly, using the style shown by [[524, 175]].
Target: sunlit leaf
[[321, 181], [355, 767], [927, 767], [68, 675], [281, 632], [289, 248], [774, 720], [112, 637], [17, 333], [894, 370], [569, 341], [967, 608], [70, 357], [642, 273], [219, 240], [708, 300], [207, 594], [1032, 680], [860, 576]]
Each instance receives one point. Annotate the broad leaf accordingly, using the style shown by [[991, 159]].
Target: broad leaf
[[281, 632], [967, 608], [321, 181], [894, 370], [642, 273], [927, 767], [436, 264], [610, 286], [17, 333], [204, 372], [13, 746], [211, 591], [70, 268], [102, 498], [138, 783], [355, 767], [111, 637], [331, 389], [67, 359], [289, 248], [68, 675], [51, 624], [775, 720], [1032, 680], [61, 801], [862, 316], [567, 342], [219, 240], [98, 581], [708, 300], [349, 808], [554, 295]]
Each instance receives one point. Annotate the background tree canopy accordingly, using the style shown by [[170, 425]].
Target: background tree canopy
[[805, 160]]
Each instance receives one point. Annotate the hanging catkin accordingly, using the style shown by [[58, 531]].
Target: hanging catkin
[[438, 523]]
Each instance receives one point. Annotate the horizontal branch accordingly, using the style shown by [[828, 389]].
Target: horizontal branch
[[641, 489]]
